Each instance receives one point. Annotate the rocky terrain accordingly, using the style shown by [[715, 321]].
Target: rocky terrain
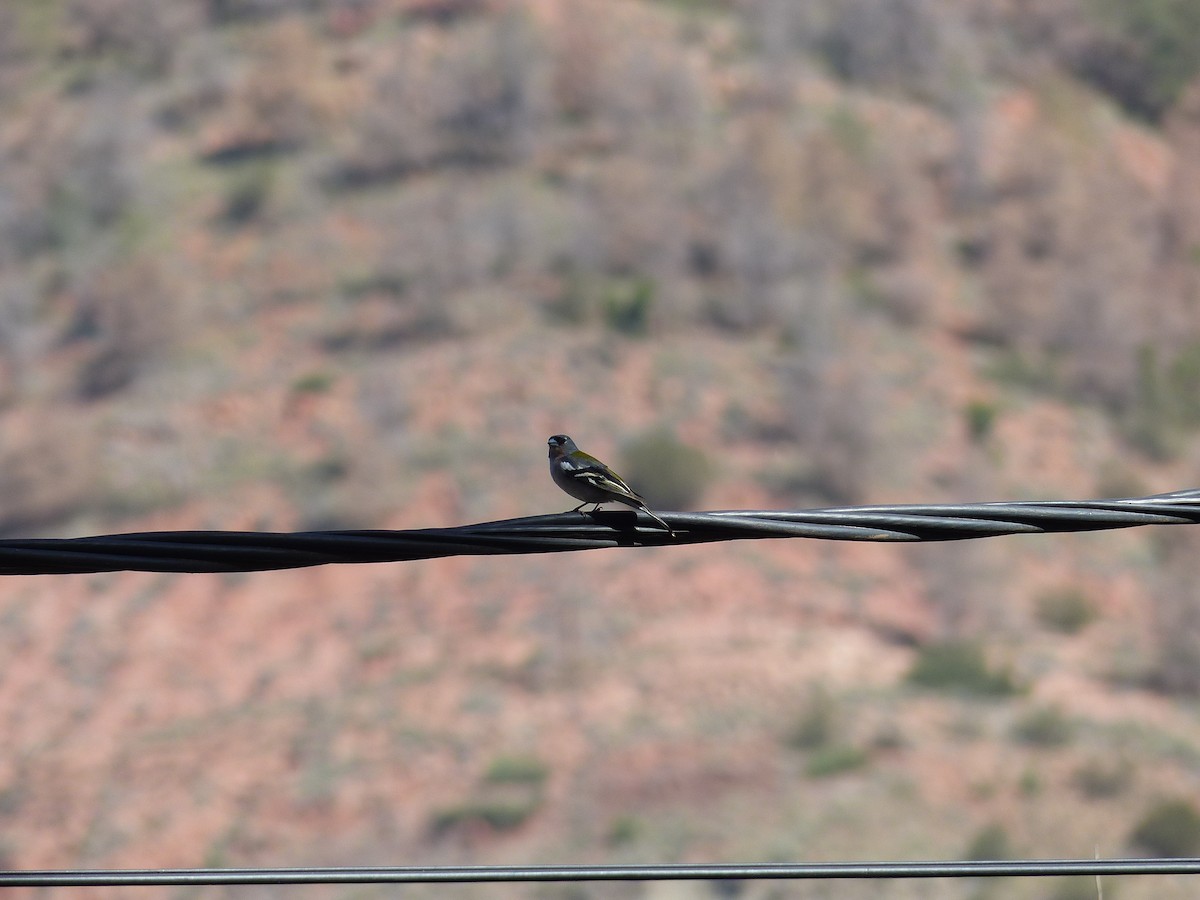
[[283, 265]]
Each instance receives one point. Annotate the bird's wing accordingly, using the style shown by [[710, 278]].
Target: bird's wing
[[587, 468]]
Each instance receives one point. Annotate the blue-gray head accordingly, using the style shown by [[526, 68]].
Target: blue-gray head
[[560, 445]]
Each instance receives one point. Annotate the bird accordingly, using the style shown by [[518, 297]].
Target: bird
[[586, 478]]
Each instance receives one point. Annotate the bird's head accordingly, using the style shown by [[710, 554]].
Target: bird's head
[[560, 445]]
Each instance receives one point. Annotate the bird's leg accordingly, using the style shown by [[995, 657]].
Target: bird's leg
[[580, 506]]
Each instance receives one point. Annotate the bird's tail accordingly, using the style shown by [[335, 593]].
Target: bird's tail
[[647, 511]]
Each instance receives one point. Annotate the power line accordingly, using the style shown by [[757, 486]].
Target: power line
[[216, 551], [501, 874], [249, 551]]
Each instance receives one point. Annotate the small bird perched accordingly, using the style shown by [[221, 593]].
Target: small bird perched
[[586, 478]]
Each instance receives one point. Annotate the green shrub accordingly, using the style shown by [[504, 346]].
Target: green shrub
[[1100, 779], [1045, 726], [851, 131], [498, 814], [1066, 610], [507, 795], [623, 304], [571, 305], [1172, 828], [313, 383], [1149, 55], [623, 830], [990, 842], [248, 193], [517, 770], [627, 305], [1183, 383], [959, 666], [1023, 369], [834, 760], [1166, 402], [356, 285], [816, 725], [1030, 783], [980, 416], [972, 250], [889, 737], [667, 472], [326, 470]]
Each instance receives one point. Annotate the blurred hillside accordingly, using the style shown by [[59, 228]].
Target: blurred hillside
[[283, 264]]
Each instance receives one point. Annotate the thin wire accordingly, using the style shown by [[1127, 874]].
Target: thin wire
[[501, 874], [248, 551]]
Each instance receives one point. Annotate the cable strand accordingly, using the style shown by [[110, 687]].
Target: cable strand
[[500, 874], [247, 551]]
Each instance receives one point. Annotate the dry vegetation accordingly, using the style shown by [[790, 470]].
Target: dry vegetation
[[293, 263]]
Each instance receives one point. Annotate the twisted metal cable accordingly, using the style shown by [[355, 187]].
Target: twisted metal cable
[[508, 874], [250, 551]]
